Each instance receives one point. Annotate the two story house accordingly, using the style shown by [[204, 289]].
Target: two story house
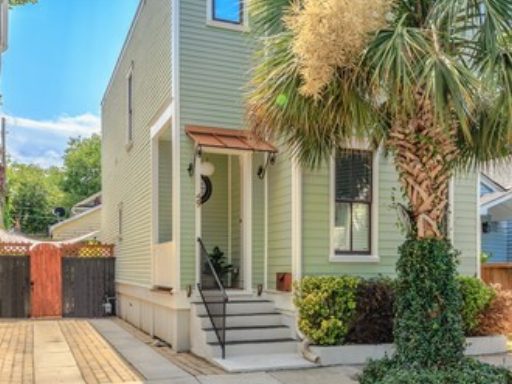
[[182, 176]]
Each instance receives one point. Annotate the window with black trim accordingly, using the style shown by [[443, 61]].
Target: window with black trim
[[129, 133], [228, 11], [353, 202]]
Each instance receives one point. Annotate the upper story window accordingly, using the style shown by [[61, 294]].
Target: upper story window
[[353, 186], [129, 97], [231, 14], [228, 11]]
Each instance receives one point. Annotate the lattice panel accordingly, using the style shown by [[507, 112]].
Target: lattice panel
[[15, 249], [87, 250]]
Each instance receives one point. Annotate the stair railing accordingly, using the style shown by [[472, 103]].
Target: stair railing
[[214, 296]]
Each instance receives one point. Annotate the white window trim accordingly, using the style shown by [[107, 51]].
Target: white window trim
[[210, 21], [356, 258], [120, 221], [129, 124]]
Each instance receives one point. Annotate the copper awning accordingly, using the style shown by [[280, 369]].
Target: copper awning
[[228, 139]]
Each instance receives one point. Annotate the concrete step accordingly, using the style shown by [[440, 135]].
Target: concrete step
[[264, 362], [239, 307], [246, 320], [246, 348], [251, 334]]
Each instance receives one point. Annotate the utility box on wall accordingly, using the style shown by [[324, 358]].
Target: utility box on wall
[[284, 281]]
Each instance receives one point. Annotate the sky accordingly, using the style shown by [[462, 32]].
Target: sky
[[58, 64]]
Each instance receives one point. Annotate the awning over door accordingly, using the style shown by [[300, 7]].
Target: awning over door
[[228, 139]]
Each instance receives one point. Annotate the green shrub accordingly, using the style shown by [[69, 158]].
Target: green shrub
[[467, 371], [476, 297], [374, 318], [327, 306]]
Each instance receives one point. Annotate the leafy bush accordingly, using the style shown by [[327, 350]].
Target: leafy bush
[[374, 318], [327, 306], [496, 319], [428, 325], [476, 297], [467, 371]]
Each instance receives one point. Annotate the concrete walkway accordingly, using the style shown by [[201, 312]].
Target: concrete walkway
[[153, 366], [53, 360]]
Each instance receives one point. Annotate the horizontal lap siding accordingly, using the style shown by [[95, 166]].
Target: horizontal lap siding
[[279, 219], [465, 221], [164, 191], [316, 225], [215, 211], [88, 223], [214, 71], [494, 242], [127, 174]]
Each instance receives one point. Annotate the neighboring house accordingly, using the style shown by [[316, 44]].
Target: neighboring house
[[178, 165], [84, 222], [496, 214]]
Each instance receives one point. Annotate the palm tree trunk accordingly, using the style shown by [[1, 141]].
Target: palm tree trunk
[[423, 154]]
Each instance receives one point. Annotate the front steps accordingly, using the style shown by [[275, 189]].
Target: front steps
[[256, 337]]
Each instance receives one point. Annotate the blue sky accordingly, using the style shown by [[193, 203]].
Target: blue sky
[[59, 61]]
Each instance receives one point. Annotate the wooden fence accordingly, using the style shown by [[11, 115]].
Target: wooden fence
[[498, 273], [71, 280], [14, 286]]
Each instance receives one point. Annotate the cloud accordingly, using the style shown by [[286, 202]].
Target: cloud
[[43, 142], [81, 125]]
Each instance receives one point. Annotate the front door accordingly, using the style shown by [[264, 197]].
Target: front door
[[46, 281], [220, 214]]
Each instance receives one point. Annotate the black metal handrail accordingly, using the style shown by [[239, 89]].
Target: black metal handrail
[[214, 296]]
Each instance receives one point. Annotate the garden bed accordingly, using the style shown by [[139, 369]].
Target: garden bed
[[358, 354]]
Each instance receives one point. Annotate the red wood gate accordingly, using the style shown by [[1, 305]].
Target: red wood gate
[[46, 280]]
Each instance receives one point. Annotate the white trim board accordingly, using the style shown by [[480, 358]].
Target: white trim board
[[176, 133]]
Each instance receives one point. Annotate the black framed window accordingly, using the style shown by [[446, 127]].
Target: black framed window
[[228, 11], [129, 134], [353, 202]]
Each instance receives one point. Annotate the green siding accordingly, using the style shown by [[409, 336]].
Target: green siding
[[164, 191], [279, 219], [464, 219], [126, 176], [236, 240], [214, 213], [316, 224], [214, 65]]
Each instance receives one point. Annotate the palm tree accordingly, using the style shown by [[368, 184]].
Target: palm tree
[[429, 80]]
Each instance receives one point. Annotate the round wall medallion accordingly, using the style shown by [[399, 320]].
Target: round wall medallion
[[206, 189]]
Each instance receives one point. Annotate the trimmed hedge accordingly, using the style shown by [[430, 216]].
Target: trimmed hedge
[[369, 314], [476, 297], [326, 307], [467, 371]]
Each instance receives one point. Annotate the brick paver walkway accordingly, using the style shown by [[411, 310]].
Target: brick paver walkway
[[59, 351]]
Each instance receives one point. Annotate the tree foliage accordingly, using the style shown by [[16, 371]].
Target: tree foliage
[[33, 193], [15, 3], [82, 168], [433, 86]]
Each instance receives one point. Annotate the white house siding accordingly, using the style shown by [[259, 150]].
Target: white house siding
[[78, 226]]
